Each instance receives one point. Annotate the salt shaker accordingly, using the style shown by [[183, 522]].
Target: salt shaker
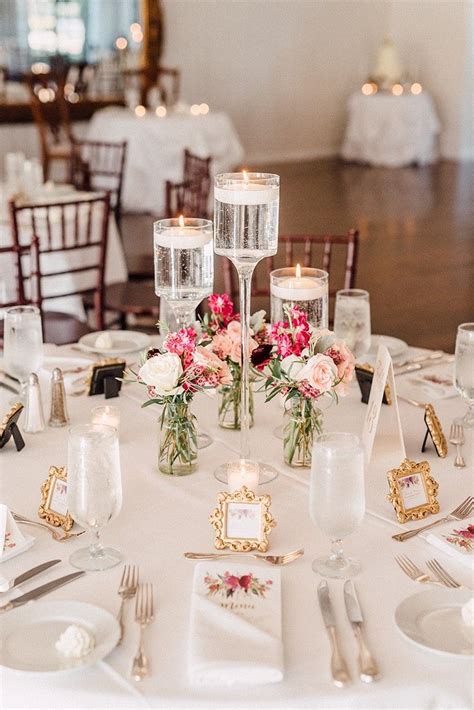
[[58, 416], [34, 417]]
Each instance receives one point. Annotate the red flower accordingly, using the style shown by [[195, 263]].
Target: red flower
[[245, 581], [468, 533], [232, 581], [221, 305]]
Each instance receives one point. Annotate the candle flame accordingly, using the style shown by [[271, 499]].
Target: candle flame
[[181, 220], [246, 176], [298, 271]]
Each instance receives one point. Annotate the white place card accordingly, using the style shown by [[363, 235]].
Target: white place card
[[386, 426], [12, 540]]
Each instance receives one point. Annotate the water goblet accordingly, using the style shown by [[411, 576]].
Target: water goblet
[[23, 346], [94, 490], [464, 369], [352, 320], [337, 498]]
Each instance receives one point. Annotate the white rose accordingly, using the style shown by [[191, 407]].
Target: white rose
[[292, 366], [162, 372], [320, 371]]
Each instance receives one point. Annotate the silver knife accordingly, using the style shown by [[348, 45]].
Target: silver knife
[[368, 669], [29, 573], [8, 387], [40, 591], [403, 369], [339, 670]]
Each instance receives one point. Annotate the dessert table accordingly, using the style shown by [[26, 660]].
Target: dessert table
[[162, 141], [391, 130], [164, 516]]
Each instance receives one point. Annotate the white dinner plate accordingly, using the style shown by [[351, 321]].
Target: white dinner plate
[[124, 341], [28, 635], [433, 620], [396, 347]]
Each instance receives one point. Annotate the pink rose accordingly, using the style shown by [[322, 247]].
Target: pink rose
[[208, 359], [345, 362], [221, 345], [233, 330], [320, 371]]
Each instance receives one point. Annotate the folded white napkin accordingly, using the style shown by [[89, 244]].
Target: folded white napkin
[[235, 629], [12, 540], [456, 539]]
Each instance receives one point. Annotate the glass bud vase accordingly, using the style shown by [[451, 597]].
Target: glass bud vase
[[302, 421], [228, 398], [178, 440]]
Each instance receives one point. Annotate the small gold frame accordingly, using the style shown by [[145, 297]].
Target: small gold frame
[[368, 370], [219, 520], [435, 430], [412, 469], [53, 517]]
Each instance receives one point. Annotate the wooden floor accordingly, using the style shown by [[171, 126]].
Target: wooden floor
[[417, 238]]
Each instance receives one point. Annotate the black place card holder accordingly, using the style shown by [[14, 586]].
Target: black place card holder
[[365, 376], [9, 427], [106, 379]]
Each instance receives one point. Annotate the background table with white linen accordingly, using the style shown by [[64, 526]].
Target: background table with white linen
[[115, 265], [164, 516], [391, 130], [156, 145]]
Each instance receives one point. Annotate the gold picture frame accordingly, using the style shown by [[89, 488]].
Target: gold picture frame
[[435, 430], [242, 521], [53, 499], [412, 491]]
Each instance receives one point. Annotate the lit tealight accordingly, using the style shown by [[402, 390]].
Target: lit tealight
[[121, 43], [108, 415], [160, 111], [416, 88], [195, 110], [135, 27], [397, 89], [73, 97], [40, 68], [204, 109], [140, 111], [367, 89], [137, 36], [45, 95], [243, 473]]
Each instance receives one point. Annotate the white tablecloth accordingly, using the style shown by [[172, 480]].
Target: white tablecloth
[[115, 265], [163, 516], [155, 149], [391, 130]]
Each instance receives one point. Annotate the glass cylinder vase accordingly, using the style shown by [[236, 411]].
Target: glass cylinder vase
[[302, 421], [229, 398], [178, 440]]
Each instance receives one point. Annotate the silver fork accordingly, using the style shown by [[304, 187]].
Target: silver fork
[[127, 590], [456, 437], [442, 574], [414, 572], [55, 534], [144, 615], [462, 511], [271, 559]]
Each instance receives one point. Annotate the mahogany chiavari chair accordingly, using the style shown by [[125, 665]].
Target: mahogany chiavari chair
[[12, 292], [187, 198], [195, 168], [99, 165], [308, 250], [69, 241], [51, 116]]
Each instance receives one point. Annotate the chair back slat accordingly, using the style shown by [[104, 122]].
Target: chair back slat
[[187, 198], [195, 167], [327, 253]]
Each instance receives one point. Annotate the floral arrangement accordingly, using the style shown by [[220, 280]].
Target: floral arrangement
[[303, 365], [221, 334], [172, 375], [230, 584], [464, 539]]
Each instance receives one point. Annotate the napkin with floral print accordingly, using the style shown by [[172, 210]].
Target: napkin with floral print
[[456, 539], [12, 540], [235, 628]]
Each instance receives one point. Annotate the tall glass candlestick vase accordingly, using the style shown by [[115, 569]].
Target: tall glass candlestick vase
[[184, 271], [246, 209]]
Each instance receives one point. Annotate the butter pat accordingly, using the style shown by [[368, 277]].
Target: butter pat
[[104, 340], [467, 612], [75, 642]]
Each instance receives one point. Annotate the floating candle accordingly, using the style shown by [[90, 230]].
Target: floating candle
[[298, 287], [183, 235], [246, 190]]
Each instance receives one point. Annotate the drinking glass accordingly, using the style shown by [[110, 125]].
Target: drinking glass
[[246, 208], [352, 320], [184, 264], [94, 490], [23, 344], [337, 498], [464, 369]]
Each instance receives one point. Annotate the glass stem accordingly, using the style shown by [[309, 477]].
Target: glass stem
[[245, 279], [95, 546], [337, 553], [184, 316]]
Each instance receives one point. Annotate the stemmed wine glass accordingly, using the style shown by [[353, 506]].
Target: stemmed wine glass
[[246, 207], [184, 271], [94, 490], [337, 498], [23, 347], [352, 320], [464, 370]]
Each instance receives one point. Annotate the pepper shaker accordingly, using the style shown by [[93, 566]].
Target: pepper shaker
[[59, 416]]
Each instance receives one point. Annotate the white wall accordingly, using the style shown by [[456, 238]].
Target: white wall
[[283, 69]]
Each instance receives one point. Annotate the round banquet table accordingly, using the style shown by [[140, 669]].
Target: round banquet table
[[155, 148], [391, 130], [162, 517]]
